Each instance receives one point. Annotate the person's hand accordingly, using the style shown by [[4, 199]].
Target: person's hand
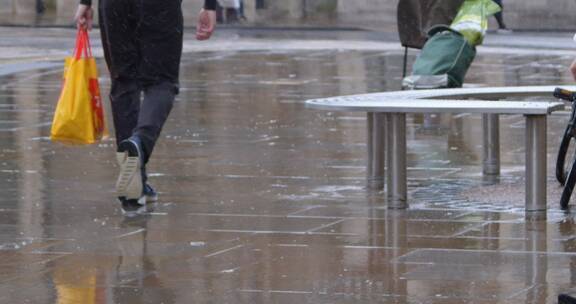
[[573, 69], [206, 24], [84, 16]]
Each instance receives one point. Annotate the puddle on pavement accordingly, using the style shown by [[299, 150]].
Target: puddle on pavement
[[262, 200]]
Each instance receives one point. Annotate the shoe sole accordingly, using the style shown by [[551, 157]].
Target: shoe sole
[[129, 183]]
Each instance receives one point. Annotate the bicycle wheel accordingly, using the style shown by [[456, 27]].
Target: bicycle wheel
[[566, 148], [568, 187]]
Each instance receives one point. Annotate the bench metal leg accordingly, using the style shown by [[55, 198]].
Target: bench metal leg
[[536, 167], [396, 161], [491, 133], [376, 152]]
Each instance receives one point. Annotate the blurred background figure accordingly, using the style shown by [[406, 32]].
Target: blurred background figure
[[231, 11], [40, 7], [500, 19], [241, 11]]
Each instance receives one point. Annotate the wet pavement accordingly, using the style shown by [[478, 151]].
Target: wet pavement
[[263, 200]]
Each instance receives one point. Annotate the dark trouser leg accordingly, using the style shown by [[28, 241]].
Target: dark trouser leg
[[241, 10], [118, 26], [500, 16], [566, 299], [157, 104], [125, 101], [231, 15], [40, 7], [500, 19], [219, 13], [161, 48]]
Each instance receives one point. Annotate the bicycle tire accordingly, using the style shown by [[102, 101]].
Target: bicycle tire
[[568, 188], [561, 172]]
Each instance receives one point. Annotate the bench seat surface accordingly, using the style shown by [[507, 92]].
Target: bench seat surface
[[436, 106], [467, 100]]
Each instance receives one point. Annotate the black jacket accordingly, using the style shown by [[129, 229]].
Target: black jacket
[[208, 4], [416, 17]]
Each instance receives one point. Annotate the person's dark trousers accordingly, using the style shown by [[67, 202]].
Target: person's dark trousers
[[142, 41], [241, 10], [40, 7], [500, 16], [219, 13], [232, 15], [566, 299]]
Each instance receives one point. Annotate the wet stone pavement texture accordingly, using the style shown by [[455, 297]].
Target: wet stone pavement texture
[[263, 200]]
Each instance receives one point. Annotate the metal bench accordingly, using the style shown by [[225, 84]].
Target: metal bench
[[387, 132]]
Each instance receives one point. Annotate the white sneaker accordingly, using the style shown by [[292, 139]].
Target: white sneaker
[[129, 184]]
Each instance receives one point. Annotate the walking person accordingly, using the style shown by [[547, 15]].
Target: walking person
[[142, 43], [241, 11], [40, 7], [231, 10], [500, 19]]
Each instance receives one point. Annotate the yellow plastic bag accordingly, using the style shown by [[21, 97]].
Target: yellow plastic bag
[[79, 116]]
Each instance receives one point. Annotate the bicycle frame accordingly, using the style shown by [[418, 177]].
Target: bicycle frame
[[567, 179]]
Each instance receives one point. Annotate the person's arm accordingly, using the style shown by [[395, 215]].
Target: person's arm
[[206, 20], [84, 15]]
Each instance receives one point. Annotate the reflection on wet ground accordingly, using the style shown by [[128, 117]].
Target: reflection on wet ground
[[262, 200]]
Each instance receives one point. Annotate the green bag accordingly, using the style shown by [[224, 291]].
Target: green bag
[[443, 62]]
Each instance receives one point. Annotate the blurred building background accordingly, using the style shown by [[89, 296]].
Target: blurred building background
[[375, 14]]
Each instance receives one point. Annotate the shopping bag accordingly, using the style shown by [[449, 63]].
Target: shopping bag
[[79, 117], [472, 19]]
